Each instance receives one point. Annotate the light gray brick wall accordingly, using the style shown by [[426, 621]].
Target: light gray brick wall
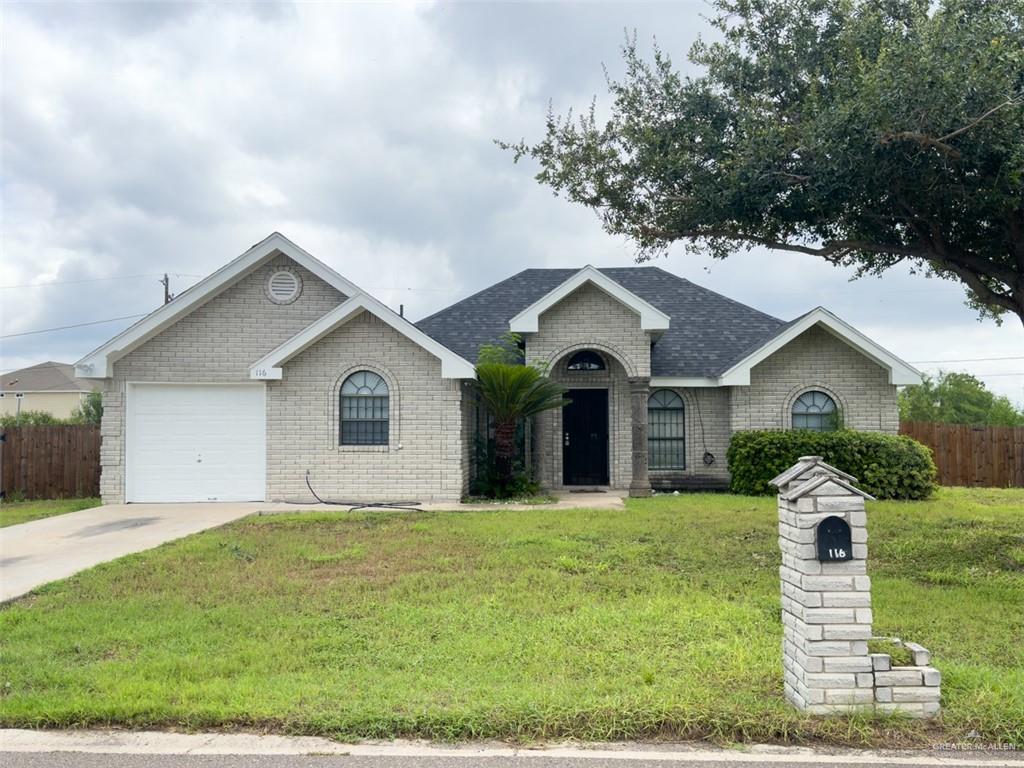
[[816, 360], [589, 318], [216, 343], [425, 457]]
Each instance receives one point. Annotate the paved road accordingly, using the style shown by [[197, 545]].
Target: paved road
[[704, 760], [21, 748]]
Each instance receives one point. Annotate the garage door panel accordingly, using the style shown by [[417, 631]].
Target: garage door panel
[[196, 443]]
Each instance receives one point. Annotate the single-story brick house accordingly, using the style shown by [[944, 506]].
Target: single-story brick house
[[276, 366]]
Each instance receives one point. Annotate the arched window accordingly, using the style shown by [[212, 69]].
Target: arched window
[[666, 436], [586, 360], [364, 410], [815, 410]]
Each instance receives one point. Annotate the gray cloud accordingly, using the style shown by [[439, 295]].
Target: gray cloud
[[140, 138]]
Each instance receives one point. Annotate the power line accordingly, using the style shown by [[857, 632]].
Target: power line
[[970, 360], [75, 325], [91, 280]]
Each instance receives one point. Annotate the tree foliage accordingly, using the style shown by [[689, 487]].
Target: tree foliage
[[865, 132], [957, 398], [90, 410], [508, 350]]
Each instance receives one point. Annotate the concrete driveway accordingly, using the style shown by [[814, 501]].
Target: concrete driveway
[[40, 551]]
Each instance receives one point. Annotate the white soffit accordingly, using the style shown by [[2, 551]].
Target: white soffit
[[651, 318]]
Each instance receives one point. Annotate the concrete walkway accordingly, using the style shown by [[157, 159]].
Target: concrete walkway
[[41, 551]]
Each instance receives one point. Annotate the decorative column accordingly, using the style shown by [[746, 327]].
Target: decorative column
[[639, 391], [826, 603]]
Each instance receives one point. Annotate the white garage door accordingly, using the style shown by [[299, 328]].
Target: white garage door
[[201, 442]]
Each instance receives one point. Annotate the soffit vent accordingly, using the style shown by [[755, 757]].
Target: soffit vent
[[284, 286]]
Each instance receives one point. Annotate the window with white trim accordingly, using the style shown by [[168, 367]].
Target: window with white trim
[[666, 434], [815, 410], [364, 410]]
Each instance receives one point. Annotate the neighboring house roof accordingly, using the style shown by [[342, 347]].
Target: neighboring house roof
[[271, 365], [98, 364], [45, 377], [710, 339]]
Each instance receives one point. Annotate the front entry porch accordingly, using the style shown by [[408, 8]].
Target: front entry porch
[[600, 439]]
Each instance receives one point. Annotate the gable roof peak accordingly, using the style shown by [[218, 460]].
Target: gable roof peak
[[651, 318], [98, 363]]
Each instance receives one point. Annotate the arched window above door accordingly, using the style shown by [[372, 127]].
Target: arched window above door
[[586, 360]]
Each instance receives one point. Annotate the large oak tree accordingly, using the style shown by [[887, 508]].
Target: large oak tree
[[865, 132]]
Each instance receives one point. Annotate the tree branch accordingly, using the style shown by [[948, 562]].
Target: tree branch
[[831, 250], [975, 121], [924, 140], [982, 290], [941, 143], [969, 268]]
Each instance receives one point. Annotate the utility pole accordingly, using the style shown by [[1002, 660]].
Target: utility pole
[[166, 282]]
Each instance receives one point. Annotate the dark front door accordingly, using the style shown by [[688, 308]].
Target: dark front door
[[585, 438]]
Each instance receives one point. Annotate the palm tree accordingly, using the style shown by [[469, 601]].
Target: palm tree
[[512, 393]]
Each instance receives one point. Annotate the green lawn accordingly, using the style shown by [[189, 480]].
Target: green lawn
[[14, 512], [658, 621]]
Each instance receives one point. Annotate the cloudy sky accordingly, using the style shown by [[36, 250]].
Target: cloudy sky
[[143, 138]]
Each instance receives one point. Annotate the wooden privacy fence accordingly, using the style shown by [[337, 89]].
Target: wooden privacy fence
[[50, 462], [966, 455]]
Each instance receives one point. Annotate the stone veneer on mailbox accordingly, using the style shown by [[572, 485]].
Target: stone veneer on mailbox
[[826, 607]]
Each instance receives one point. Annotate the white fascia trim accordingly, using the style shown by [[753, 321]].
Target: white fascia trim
[[900, 372], [651, 318], [271, 365], [683, 381], [98, 364]]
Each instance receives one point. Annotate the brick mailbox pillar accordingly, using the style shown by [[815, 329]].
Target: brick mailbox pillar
[[826, 603]]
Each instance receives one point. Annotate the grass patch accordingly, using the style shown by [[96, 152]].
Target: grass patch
[[661, 620], [15, 512], [899, 654]]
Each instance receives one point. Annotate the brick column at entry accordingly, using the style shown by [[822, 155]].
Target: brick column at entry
[[639, 390]]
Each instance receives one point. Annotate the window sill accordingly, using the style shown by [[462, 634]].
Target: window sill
[[363, 448]]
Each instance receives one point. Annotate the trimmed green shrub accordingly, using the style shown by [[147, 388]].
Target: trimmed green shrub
[[886, 466]]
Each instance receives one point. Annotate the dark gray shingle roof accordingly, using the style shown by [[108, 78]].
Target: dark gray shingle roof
[[708, 332]]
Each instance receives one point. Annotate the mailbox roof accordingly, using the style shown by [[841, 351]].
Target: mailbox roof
[[816, 482], [813, 464]]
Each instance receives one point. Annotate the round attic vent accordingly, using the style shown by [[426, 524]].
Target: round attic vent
[[284, 286]]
